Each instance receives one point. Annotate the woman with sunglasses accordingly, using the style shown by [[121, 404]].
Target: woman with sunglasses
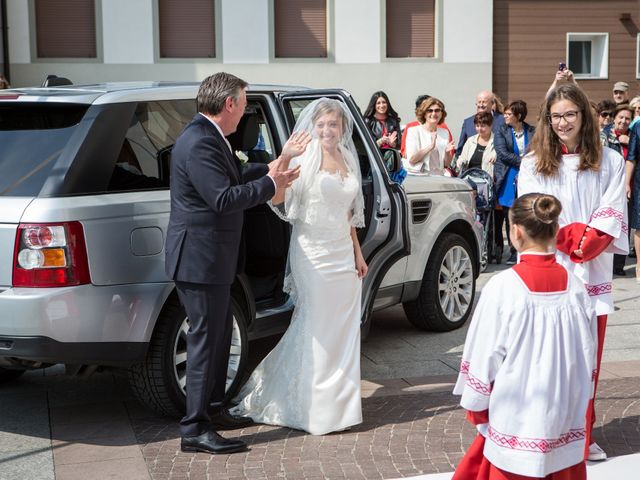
[[606, 111], [568, 161], [429, 149]]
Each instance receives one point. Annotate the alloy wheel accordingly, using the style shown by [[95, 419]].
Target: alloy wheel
[[455, 286]]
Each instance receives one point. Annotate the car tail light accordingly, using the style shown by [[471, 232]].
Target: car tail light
[[50, 255]]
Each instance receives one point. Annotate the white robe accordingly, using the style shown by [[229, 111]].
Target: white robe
[[530, 361], [597, 199]]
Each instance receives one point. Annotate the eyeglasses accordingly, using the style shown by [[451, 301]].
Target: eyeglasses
[[434, 110], [606, 114], [569, 117]]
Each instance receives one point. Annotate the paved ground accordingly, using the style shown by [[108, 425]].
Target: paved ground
[[404, 434], [52, 426]]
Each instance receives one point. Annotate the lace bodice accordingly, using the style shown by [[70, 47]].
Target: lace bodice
[[328, 203]]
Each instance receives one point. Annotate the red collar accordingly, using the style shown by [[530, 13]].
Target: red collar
[[565, 150], [538, 260], [618, 133]]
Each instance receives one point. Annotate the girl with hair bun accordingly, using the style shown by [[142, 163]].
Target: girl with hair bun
[[568, 161], [527, 365]]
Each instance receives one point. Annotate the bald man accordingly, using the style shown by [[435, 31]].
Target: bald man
[[484, 103]]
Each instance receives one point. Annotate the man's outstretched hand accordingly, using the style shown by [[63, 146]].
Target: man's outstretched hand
[[281, 174]]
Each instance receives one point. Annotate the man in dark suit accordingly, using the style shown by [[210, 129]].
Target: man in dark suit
[[208, 199], [484, 103]]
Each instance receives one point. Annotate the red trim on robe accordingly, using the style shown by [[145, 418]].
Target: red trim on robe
[[570, 236], [540, 273], [591, 414], [478, 418], [475, 466]]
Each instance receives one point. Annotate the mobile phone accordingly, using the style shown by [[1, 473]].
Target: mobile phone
[[562, 66]]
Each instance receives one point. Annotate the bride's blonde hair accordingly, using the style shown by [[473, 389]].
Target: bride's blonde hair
[[326, 106]]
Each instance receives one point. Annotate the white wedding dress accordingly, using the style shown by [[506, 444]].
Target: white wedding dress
[[311, 379]]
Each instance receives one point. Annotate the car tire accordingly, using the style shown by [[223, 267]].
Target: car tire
[[445, 300], [7, 374], [159, 381]]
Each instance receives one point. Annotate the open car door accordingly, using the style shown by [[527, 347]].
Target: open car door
[[385, 238]]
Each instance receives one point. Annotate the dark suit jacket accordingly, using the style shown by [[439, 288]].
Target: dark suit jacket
[[208, 199], [469, 129]]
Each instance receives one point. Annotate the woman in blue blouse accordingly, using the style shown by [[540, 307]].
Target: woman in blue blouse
[[511, 142]]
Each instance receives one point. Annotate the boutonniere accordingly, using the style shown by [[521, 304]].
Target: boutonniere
[[242, 156]]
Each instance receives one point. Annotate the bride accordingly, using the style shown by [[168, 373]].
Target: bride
[[311, 380]]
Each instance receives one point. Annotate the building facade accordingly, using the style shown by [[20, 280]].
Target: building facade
[[404, 47], [449, 49], [599, 41]]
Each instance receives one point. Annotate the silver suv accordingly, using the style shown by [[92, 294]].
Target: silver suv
[[84, 206]]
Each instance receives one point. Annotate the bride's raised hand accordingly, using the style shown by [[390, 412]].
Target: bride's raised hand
[[296, 145]]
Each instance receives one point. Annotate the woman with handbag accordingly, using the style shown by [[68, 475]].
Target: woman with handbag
[[511, 142], [384, 123]]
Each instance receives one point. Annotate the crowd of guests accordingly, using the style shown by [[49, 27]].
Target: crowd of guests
[[495, 139], [561, 191]]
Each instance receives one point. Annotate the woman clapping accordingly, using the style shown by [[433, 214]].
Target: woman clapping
[[429, 149]]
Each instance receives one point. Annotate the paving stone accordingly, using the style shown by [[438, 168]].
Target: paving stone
[[27, 464], [402, 435]]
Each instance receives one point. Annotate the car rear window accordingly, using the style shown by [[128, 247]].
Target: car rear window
[[32, 136]]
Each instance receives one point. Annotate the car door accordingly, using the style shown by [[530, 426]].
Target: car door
[[385, 239]]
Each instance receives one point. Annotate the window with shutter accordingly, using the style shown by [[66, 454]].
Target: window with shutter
[[65, 28], [187, 28], [410, 28], [300, 28], [588, 54]]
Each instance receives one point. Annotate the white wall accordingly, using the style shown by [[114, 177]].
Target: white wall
[[464, 42], [467, 31], [357, 36], [127, 31], [18, 23], [247, 41]]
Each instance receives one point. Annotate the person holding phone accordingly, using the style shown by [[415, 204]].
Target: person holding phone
[[563, 75]]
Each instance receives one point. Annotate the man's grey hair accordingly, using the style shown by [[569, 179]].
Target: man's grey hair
[[215, 89]]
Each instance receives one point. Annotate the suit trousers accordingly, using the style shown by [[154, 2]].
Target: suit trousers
[[208, 342]]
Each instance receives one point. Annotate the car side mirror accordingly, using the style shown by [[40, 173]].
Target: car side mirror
[[392, 160]]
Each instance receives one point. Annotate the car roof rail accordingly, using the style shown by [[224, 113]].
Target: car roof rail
[[55, 81]]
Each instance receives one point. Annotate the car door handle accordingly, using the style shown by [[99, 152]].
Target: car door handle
[[383, 210]]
